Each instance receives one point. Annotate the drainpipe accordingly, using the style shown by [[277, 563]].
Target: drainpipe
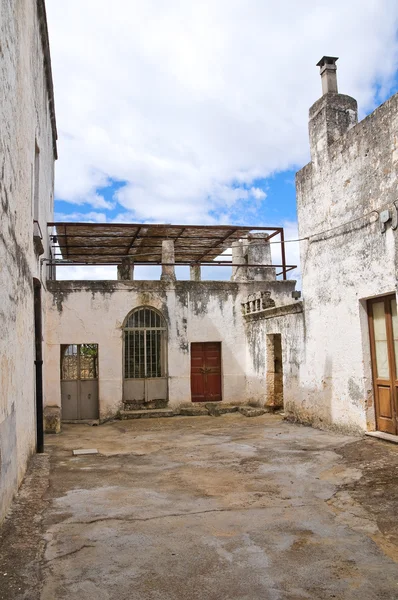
[[38, 367]]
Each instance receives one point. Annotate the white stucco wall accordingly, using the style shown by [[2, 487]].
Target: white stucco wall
[[24, 121], [94, 312], [344, 265], [286, 320]]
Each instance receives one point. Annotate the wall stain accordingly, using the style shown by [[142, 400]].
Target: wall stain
[[355, 392]]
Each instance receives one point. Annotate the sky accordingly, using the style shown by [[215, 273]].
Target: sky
[[194, 112]]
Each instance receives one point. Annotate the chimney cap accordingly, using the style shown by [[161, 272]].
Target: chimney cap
[[327, 60]]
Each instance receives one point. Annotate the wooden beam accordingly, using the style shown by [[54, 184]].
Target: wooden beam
[[133, 240]]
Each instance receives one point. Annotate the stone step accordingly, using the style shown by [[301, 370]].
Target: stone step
[[388, 437], [152, 404], [207, 408], [225, 409], [193, 411], [250, 411], [147, 413]]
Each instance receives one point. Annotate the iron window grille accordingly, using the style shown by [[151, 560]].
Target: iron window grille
[[144, 344], [79, 361]]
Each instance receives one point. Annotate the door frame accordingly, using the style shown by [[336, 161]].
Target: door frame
[[164, 358], [221, 370], [392, 382], [274, 370], [78, 383]]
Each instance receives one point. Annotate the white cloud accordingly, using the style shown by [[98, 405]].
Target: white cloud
[[258, 194], [190, 102]]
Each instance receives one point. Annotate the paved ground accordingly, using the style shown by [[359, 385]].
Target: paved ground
[[205, 508]]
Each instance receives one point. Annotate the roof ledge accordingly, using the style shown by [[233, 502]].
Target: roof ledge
[[42, 18]]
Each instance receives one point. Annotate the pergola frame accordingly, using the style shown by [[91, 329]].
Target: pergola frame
[[113, 243]]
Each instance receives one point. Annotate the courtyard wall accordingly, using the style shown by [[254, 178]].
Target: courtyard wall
[[27, 153], [94, 312]]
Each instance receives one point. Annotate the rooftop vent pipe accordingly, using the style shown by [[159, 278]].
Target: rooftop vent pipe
[[328, 68]]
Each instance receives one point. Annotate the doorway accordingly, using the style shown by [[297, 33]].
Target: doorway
[[206, 372], [145, 364], [274, 370], [383, 331], [79, 382]]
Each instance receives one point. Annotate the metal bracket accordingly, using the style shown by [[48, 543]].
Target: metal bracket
[[394, 220], [384, 217]]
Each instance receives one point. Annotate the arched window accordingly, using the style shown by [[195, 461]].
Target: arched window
[[144, 344]]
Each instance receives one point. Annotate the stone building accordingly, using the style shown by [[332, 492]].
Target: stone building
[[127, 348], [27, 153], [339, 345], [329, 358], [119, 347]]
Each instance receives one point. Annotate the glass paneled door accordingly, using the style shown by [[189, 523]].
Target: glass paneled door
[[383, 329]]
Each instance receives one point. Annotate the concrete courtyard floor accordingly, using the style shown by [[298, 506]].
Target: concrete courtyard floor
[[207, 508]]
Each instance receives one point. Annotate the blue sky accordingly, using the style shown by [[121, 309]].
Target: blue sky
[[278, 206], [198, 112]]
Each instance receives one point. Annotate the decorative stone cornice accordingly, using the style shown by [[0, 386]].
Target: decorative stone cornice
[[276, 311], [257, 302]]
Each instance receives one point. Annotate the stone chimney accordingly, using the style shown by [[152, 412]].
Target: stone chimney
[[332, 115], [328, 68]]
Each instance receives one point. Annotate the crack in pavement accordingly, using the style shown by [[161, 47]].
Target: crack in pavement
[[186, 514], [71, 552]]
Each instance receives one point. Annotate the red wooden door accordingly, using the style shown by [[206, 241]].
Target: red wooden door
[[206, 372]]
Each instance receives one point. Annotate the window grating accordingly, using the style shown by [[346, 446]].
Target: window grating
[[145, 318], [144, 339], [79, 361]]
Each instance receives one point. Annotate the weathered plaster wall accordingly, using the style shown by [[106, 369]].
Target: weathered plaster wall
[[344, 264], [288, 321], [94, 312], [25, 120]]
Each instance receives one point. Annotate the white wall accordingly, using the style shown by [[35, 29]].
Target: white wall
[[24, 120], [94, 312], [344, 266], [288, 321]]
